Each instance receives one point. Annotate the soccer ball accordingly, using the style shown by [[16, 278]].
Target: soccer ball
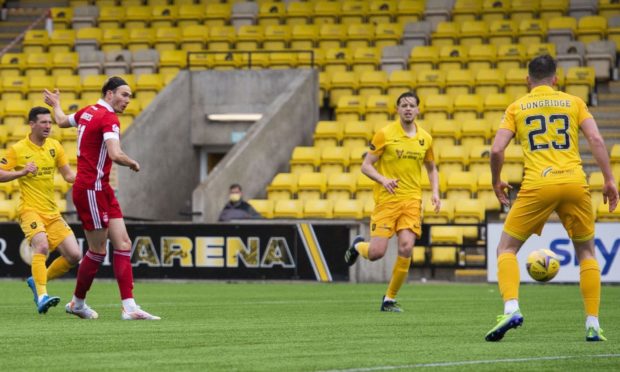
[[542, 265]]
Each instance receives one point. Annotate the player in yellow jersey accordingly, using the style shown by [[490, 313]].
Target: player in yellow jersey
[[397, 154], [547, 123], [33, 162]]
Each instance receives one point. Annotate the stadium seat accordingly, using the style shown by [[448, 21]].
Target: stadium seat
[[342, 83], [15, 87], [493, 10], [516, 83], [479, 156], [603, 214], [379, 108], [372, 83], [452, 159], [167, 38], [446, 33], [337, 60], [400, 81], [282, 187], [409, 11], [217, 14], [467, 107], [429, 82], [423, 58], [137, 16], [319, 209], [461, 185], [64, 63], [117, 62], [353, 12], [475, 132], [532, 31], [288, 209], [365, 59], [445, 132], [311, 185], [334, 160], [591, 28], [382, 11], [494, 107], [502, 32], [326, 12], [357, 134], [470, 211], [332, 36], [535, 50], [264, 207], [489, 82], [12, 64], [145, 62], [452, 57], [299, 13], [111, 17], [466, 10], [486, 193], [553, 8], [84, 16], [140, 38], [7, 210], [221, 38], [417, 33], [114, 39], [459, 82], [364, 187], [271, 13], [277, 37], [580, 82], [510, 56], [561, 29], [328, 133], [35, 41], [596, 182], [250, 37], [360, 35], [524, 9], [61, 17], [350, 108], [88, 39], [148, 85], [304, 36], [305, 159], [349, 209], [191, 15], [356, 156], [601, 55], [340, 186], [445, 214], [38, 64], [35, 85], [387, 34], [571, 54], [438, 107], [172, 61], [473, 33], [193, 37], [513, 164]]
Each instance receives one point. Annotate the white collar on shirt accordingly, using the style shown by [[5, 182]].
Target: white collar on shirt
[[105, 104]]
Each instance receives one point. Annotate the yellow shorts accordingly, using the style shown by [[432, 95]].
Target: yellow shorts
[[53, 225], [531, 209], [388, 218]]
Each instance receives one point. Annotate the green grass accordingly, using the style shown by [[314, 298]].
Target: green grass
[[304, 327]]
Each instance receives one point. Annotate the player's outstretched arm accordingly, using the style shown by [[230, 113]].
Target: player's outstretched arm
[[502, 139], [53, 99], [118, 156], [599, 151]]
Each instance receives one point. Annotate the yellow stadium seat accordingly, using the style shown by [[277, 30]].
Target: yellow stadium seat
[[608, 8], [264, 207], [438, 107], [221, 38], [194, 37], [332, 36], [369, 207], [140, 38], [217, 14], [137, 16], [379, 108], [342, 83], [603, 214], [445, 133], [481, 57], [356, 156], [459, 82], [114, 39], [372, 83], [191, 14], [561, 29], [271, 13], [486, 193], [535, 50], [532, 31], [164, 15], [111, 17], [470, 211], [15, 87], [467, 107], [171, 61], [479, 158], [36, 84], [327, 12], [580, 82], [148, 85], [250, 37], [466, 10], [591, 28], [277, 37], [304, 36], [349, 209], [282, 187], [360, 35], [489, 82], [328, 133], [516, 83], [388, 34], [381, 11], [452, 159], [596, 182], [350, 108], [429, 82], [299, 13], [475, 132], [38, 64], [364, 187], [493, 10], [341, 186], [452, 57], [167, 38], [7, 210], [35, 41], [423, 58], [337, 60], [494, 107], [282, 60], [353, 12], [400, 81], [445, 214], [61, 17], [88, 39], [446, 33], [357, 134], [334, 160], [311, 186], [305, 159], [288, 209], [511, 56], [64, 63], [318, 209], [409, 11], [365, 59], [513, 164], [473, 33], [502, 32], [461, 185], [553, 8]]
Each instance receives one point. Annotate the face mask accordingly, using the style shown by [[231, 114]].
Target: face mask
[[235, 197]]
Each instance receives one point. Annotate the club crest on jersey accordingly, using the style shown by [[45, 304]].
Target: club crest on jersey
[[3, 161], [53, 152], [421, 141], [33, 225], [400, 153]]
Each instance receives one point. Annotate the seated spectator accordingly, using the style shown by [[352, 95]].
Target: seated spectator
[[237, 208]]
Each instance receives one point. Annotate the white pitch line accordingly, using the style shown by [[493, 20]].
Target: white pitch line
[[472, 362]]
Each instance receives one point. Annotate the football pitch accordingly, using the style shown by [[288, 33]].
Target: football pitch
[[217, 326]]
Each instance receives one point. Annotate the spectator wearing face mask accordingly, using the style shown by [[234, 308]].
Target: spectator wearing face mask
[[237, 208]]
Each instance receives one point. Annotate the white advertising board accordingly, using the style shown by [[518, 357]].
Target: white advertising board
[[554, 238]]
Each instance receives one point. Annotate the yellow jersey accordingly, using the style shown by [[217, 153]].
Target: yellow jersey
[[401, 157], [546, 123], [37, 191]]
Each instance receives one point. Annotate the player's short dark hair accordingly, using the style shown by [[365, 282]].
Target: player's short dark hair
[[408, 94], [541, 67], [111, 84], [36, 111], [235, 186]]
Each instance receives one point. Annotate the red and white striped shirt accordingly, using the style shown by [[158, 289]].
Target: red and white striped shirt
[[96, 124]]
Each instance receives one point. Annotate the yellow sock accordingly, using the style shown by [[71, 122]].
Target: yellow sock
[[399, 276], [590, 285], [58, 268], [362, 249], [508, 276], [39, 273]]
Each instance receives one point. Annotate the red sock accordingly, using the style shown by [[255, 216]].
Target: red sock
[[123, 273], [86, 272]]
